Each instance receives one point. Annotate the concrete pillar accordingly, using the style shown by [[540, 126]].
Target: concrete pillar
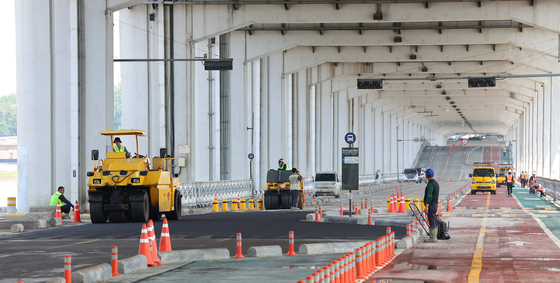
[[258, 183], [340, 127], [46, 93], [367, 150], [184, 83], [378, 139], [300, 126], [554, 91]]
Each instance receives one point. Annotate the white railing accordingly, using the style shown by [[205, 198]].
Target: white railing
[[201, 194]]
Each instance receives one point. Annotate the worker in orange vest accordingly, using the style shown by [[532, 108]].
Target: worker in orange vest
[[510, 179]]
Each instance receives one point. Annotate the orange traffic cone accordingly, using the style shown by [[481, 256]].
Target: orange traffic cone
[[152, 239], [449, 204], [164, 240], [144, 248], [393, 206], [58, 213], [402, 208], [77, 217]]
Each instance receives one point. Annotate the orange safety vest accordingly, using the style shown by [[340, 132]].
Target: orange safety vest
[[509, 178]]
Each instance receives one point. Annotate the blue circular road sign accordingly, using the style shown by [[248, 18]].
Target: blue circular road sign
[[350, 138], [251, 156]]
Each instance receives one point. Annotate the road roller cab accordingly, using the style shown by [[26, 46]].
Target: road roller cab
[[135, 189], [277, 194]]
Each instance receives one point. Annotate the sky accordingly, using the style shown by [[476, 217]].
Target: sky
[[8, 49]]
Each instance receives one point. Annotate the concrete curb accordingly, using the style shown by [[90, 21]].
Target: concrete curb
[[264, 251], [361, 220], [404, 243], [132, 264], [329, 248], [191, 255], [392, 222], [57, 280], [93, 274]]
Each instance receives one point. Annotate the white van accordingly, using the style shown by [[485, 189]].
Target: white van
[[326, 183]]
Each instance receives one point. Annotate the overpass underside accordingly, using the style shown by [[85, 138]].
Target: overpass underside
[[292, 92]]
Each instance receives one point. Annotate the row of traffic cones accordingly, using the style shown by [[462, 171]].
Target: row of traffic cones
[[239, 244], [396, 203], [359, 265], [77, 217], [148, 245]]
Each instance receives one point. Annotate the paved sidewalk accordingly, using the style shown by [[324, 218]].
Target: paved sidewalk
[[485, 247]]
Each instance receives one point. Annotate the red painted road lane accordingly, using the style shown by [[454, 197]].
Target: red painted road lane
[[513, 249]]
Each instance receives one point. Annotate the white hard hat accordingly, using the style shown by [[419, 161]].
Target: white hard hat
[[509, 171]]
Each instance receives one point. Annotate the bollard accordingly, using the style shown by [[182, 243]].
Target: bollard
[[115, 261], [365, 204], [11, 205], [389, 204], [331, 272], [359, 267], [449, 204], [416, 202], [423, 205], [315, 277], [326, 274], [238, 244], [369, 218], [291, 244], [317, 219], [362, 203], [234, 205], [243, 204], [251, 204], [308, 279], [260, 205], [356, 209], [215, 206], [408, 230], [68, 268], [407, 203], [321, 212], [371, 208], [352, 267], [341, 210], [225, 206], [320, 275]]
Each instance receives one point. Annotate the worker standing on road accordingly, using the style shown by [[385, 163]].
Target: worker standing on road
[[58, 197], [282, 165], [509, 182], [295, 187], [120, 148], [431, 196]]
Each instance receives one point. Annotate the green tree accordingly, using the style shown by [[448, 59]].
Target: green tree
[[8, 115], [117, 101]]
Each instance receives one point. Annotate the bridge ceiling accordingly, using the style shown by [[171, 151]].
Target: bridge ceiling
[[406, 40]]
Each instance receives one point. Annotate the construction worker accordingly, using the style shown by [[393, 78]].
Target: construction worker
[[120, 148], [533, 183], [431, 195], [282, 165], [510, 179], [295, 187], [58, 197]]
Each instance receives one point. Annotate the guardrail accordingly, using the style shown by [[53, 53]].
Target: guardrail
[[552, 187], [201, 194]]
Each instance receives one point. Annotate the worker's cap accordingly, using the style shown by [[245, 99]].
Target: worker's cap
[[509, 171], [281, 160], [117, 139], [534, 172], [429, 173], [294, 170]]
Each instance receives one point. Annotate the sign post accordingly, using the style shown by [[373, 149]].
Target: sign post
[[350, 168]]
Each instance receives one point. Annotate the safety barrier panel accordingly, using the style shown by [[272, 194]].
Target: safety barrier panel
[[201, 194]]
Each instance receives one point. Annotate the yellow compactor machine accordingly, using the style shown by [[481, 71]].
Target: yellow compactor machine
[[135, 189]]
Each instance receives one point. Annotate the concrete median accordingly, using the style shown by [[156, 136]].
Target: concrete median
[[329, 248], [132, 264], [192, 255], [361, 220], [264, 251], [93, 274]]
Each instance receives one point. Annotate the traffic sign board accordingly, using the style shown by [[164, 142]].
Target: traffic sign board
[[350, 138], [251, 156], [465, 141]]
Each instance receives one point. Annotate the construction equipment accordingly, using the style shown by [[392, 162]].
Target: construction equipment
[[277, 194], [502, 172], [443, 228], [135, 189], [483, 178]]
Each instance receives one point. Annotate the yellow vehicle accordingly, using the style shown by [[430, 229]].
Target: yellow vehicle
[[502, 172], [483, 178], [132, 189], [277, 194]]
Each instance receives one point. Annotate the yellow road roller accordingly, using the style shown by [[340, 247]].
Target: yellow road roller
[[135, 188]]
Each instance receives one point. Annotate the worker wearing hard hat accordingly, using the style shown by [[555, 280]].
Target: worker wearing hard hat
[[533, 183], [510, 179], [431, 196], [282, 165]]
